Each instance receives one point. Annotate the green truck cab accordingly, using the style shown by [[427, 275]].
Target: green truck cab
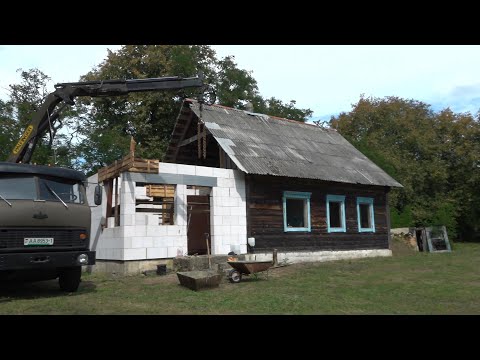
[[44, 224]]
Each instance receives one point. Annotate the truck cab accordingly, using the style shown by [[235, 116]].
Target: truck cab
[[44, 224]]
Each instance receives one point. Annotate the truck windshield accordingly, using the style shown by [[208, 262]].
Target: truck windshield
[[20, 187], [68, 191]]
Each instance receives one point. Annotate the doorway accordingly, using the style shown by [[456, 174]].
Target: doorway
[[198, 224]]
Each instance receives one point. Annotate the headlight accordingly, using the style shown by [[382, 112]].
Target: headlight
[[82, 259]]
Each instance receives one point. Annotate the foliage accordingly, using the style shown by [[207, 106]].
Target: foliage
[[434, 155], [153, 114]]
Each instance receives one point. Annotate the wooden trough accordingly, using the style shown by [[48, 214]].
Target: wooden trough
[[198, 280]]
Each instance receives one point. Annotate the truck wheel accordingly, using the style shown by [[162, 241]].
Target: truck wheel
[[69, 278]]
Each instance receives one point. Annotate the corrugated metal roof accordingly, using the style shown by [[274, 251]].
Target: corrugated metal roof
[[259, 144]]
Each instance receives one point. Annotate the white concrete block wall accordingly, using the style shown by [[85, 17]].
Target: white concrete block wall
[[140, 237]]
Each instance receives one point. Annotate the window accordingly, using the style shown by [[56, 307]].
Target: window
[[336, 213], [296, 211], [366, 220], [156, 199], [18, 187]]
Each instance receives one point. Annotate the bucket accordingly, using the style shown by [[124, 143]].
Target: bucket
[[162, 269]]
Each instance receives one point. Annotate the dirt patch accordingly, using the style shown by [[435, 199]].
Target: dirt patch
[[402, 246]]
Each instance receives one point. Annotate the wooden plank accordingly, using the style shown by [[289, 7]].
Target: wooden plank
[[161, 190], [265, 215], [192, 139], [128, 163]]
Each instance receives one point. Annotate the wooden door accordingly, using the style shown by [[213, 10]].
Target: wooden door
[[198, 224]]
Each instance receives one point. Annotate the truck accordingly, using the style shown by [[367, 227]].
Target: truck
[[44, 213]]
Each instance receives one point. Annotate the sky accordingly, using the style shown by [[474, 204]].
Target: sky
[[325, 78]]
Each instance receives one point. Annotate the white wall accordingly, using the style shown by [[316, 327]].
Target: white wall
[[140, 237]]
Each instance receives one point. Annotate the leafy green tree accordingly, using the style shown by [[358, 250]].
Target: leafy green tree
[[433, 155], [153, 114]]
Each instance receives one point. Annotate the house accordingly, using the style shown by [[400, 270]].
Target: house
[[231, 179]]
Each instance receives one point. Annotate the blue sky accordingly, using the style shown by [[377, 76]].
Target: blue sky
[[325, 78]]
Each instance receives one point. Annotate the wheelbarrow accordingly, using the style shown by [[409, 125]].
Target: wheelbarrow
[[247, 268]]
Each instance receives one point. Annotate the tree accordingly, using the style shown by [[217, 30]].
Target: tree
[[153, 114], [433, 155]]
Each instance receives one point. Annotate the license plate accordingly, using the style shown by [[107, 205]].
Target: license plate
[[37, 241]]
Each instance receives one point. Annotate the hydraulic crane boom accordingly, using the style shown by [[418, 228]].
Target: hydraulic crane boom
[[64, 94]]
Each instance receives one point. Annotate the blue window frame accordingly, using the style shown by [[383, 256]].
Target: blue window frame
[[336, 213], [365, 214], [296, 211]]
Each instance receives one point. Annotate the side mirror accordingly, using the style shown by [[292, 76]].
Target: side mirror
[[97, 197]]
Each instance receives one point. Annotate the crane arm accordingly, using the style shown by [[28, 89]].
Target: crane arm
[[65, 93]]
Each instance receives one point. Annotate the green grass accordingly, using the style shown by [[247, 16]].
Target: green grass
[[407, 283]]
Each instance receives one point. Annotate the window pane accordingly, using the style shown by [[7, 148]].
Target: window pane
[[18, 187], [67, 190], [295, 212], [365, 221], [335, 209]]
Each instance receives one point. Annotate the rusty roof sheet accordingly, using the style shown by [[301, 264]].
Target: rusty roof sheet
[[264, 145]]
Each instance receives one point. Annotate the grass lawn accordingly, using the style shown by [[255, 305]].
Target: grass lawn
[[407, 283]]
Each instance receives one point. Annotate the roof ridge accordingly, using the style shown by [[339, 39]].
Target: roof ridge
[[260, 114]]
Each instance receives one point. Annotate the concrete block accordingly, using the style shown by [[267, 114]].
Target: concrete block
[[237, 211], [128, 231], [127, 243], [243, 248], [127, 209], [226, 220], [170, 240], [203, 171], [117, 232], [156, 253], [181, 189], [135, 254], [230, 202], [140, 191], [137, 242], [221, 173], [234, 220], [167, 168], [217, 220], [242, 220], [186, 169], [225, 183], [173, 229], [156, 230], [223, 192], [141, 230], [127, 199], [147, 241], [183, 230], [140, 219], [127, 220], [233, 192], [238, 229], [111, 222], [173, 251]]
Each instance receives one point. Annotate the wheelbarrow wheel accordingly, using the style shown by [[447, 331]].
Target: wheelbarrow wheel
[[234, 276]]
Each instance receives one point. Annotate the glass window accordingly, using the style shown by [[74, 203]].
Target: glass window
[[68, 191], [336, 213], [365, 214], [18, 187], [296, 211]]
